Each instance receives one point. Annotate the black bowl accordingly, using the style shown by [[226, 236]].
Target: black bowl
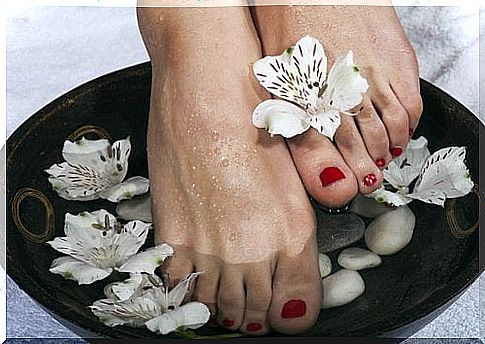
[[407, 291]]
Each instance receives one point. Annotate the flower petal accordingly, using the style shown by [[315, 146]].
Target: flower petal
[[129, 240], [191, 315], [122, 291], [326, 123], [148, 260], [126, 190], [392, 198], [92, 153], [139, 208], [133, 312], [309, 60], [279, 117], [178, 293], [345, 84], [284, 78], [77, 182], [444, 175], [402, 170], [77, 270], [120, 152]]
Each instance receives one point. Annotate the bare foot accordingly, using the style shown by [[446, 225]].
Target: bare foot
[[226, 196], [333, 174]]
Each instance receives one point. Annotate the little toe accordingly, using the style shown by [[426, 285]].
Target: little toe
[[326, 176], [231, 299], [258, 299], [352, 147], [374, 134], [207, 286], [297, 292], [394, 117]]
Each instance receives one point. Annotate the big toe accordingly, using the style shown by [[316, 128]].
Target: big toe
[[326, 176], [297, 293]]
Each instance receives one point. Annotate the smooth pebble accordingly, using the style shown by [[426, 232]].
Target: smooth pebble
[[341, 288], [390, 232], [356, 258], [338, 230], [139, 208], [368, 207], [324, 264]]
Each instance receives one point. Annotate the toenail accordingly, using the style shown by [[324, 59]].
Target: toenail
[[228, 323], [293, 309], [396, 151], [370, 180], [253, 327], [411, 132], [330, 175], [380, 163]]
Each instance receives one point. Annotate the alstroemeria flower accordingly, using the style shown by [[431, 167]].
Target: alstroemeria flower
[[145, 300], [439, 176], [298, 76], [94, 169], [96, 244]]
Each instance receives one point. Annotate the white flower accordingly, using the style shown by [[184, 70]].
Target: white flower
[[95, 169], [298, 76], [439, 176], [144, 299], [96, 244]]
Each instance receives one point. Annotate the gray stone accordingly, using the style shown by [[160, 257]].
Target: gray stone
[[368, 207], [338, 230], [355, 258], [139, 208], [342, 287], [391, 232], [324, 264]]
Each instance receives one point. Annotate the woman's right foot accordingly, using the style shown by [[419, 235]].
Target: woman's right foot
[[225, 195]]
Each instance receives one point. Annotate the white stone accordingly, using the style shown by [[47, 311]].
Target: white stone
[[324, 264], [368, 207], [341, 288], [356, 258], [139, 208], [390, 232]]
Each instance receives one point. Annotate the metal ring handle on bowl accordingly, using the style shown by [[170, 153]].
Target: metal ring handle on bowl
[[455, 227], [49, 215], [101, 133]]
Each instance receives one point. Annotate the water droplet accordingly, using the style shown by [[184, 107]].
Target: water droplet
[[213, 177], [256, 169], [219, 188], [214, 205], [194, 148], [244, 146], [193, 168], [193, 185], [201, 203], [225, 162]]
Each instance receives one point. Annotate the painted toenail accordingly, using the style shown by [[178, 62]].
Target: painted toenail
[[293, 309], [411, 132], [330, 175], [380, 163], [253, 327], [370, 180], [228, 323], [396, 151]]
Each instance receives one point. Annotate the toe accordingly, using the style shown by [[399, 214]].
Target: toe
[[394, 117], [326, 176], [207, 286], [258, 298], [297, 292], [352, 147], [374, 134], [408, 94], [231, 299]]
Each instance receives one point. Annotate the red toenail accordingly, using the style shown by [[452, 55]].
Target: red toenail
[[380, 163], [253, 327], [370, 179], [396, 151], [228, 323], [411, 132], [330, 175], [293, 309]]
